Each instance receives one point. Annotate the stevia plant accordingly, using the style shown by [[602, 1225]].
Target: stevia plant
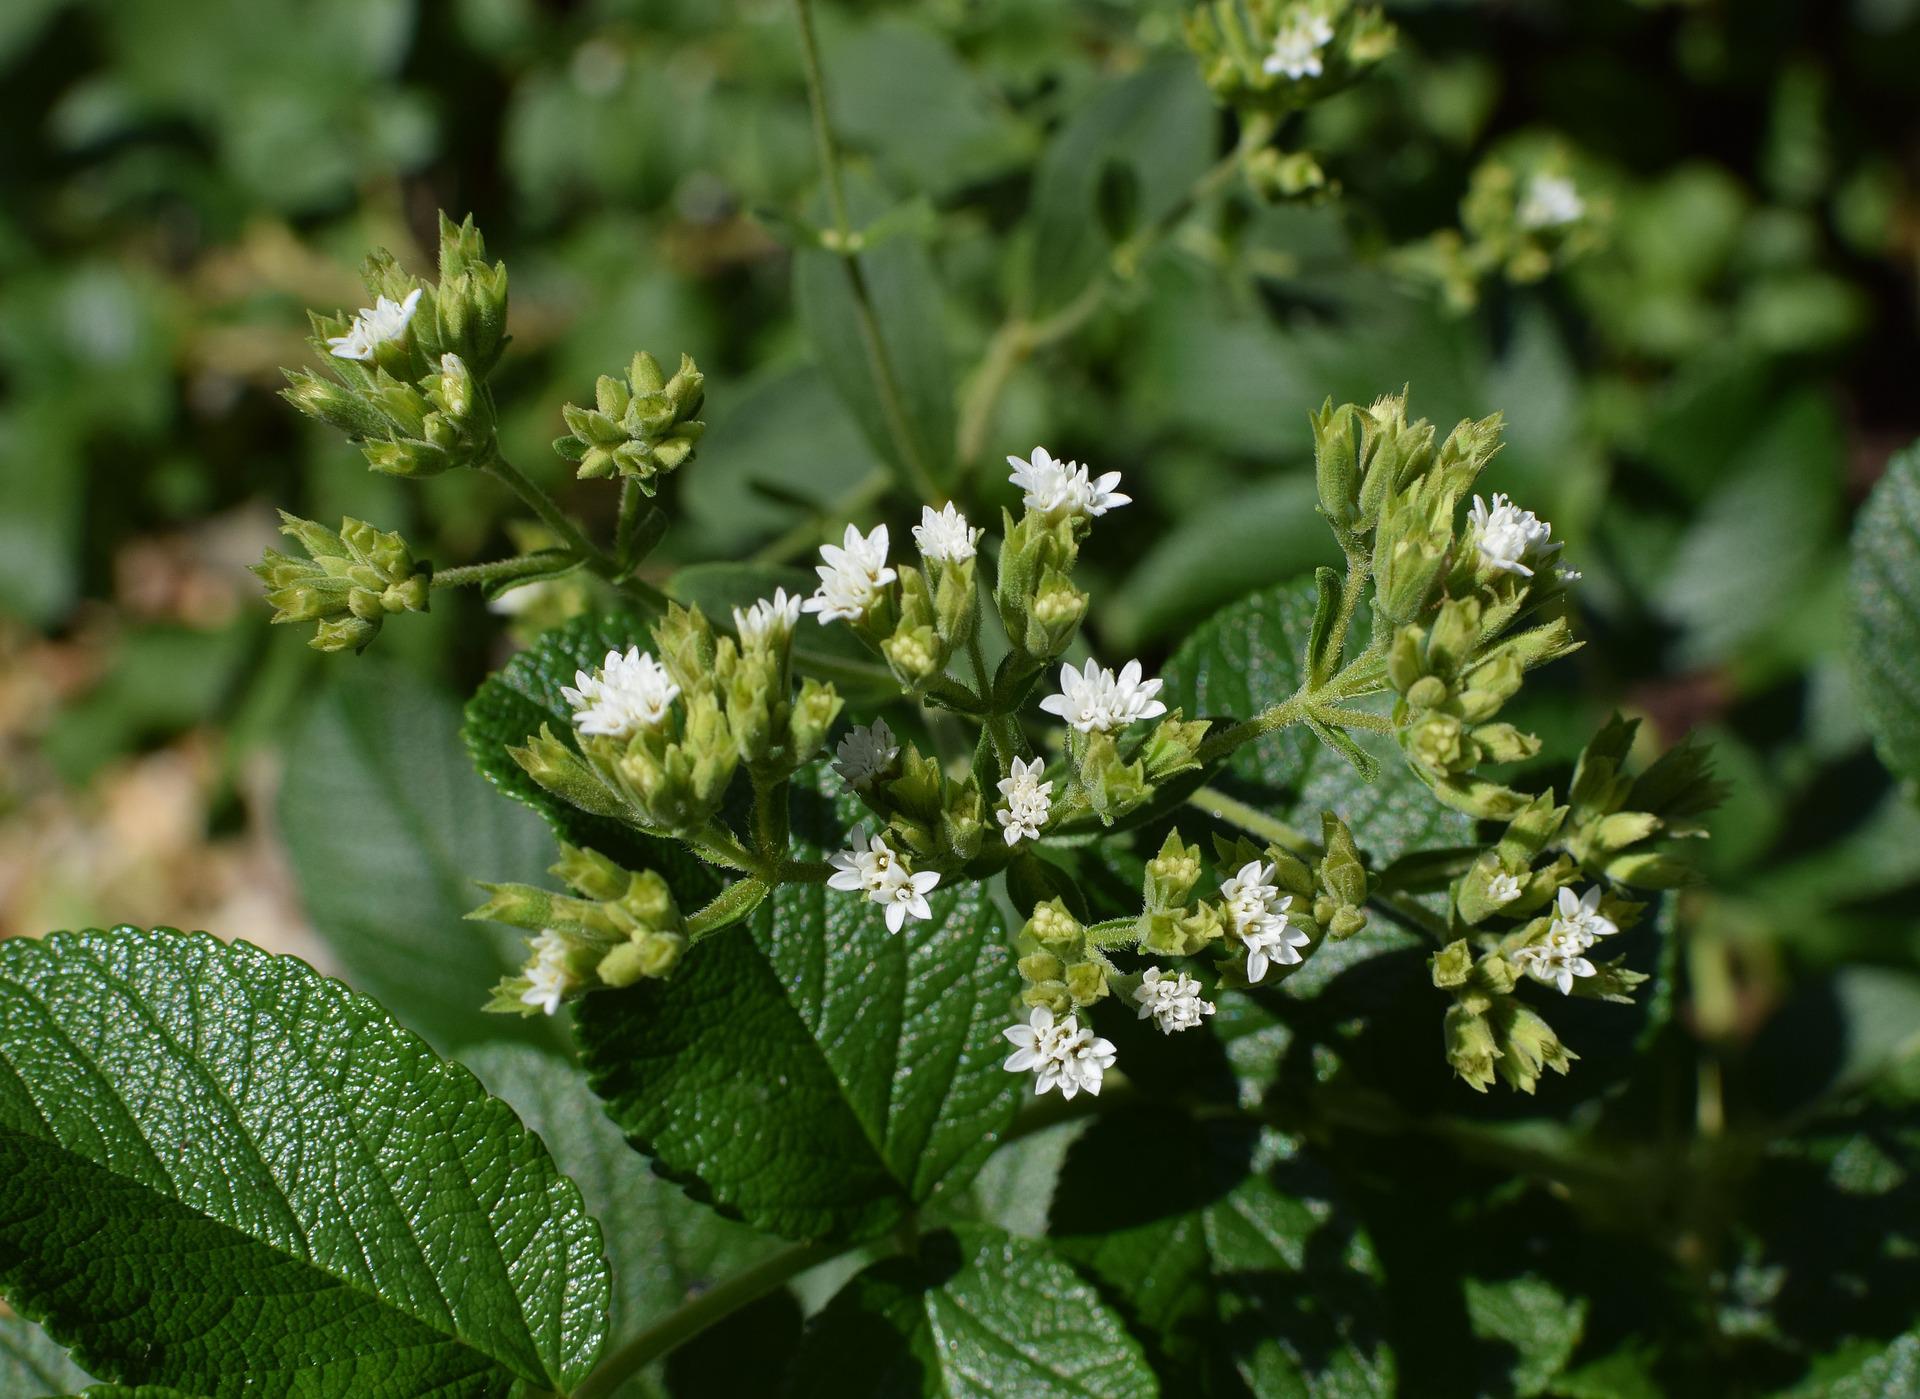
[[856, 886]]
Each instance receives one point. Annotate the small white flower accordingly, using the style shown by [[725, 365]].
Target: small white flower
[[1087, 1060], [769, 621], [1055, 488], [1061, 1054], [1296, 48], [385, 320], [1027, 801], [866, 871], [1094, 699], [1508, 536], [944, 536], [1550, 202], [548, 976], [906, 897], [1581, 916], [851, 576], [1173, 1002], [1503, 888], [1258, 914], [1557, 961], [629, 692], [866, 753]]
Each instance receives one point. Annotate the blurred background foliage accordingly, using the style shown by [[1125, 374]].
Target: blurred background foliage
[[1699, 407]]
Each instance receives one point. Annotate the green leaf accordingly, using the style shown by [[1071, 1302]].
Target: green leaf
[[664, 1248], [512, 704], [387, 828], [905, 296], [1240, 1265], [809, 1071], [1249, 538], [1158, 125], [1891, 1372], [1886, 613], [1249, 656], [1528, 1316], [32, 1365], [223, 1167], [978, 1314]]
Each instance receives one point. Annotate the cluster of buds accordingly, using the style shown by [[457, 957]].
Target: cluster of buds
[[1526, 213], [659, 740], [1489, 1030], [616, 928], [1623, 827], [348, 584], [935, 816], [915, 618], [640, 428], [1063, 969], [1267, 59], [1280, 56], [407, 378]]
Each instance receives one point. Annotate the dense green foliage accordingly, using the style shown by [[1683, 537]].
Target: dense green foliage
[[795, 1164]]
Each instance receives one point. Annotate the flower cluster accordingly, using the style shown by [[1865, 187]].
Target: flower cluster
[[1297, 46], [1258, 915], [1026, 797], [1173, 1002], [1560, 954], [1055, 490], [1095, 700], [1061, 1054], [886, 879], [631, 691], [349, 583]]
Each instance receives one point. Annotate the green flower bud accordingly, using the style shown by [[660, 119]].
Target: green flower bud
[[1053, 927], [1528, 1046], [684, 641], [1278, 175], [814, 711], [1453, 964], [1503, 743], [1346, 922], [1173, 747], [1051, 994], [956, 602], [1337, 439], [647, 955], [915, 654], [1042, 966], [1342, 872], [1172, 874], [1439, 743], [1201, 925], [590, 872], [1086, 982], [1054, 615], [1471, 1050], [568, 776], [470, 304]]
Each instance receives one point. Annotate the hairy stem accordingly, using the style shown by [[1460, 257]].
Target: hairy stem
[[728, 907], [694, 1316], [573, 539], [499, 570], [919, 476]]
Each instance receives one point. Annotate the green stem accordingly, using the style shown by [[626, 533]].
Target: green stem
[[721, 847], [1291, 710], [770, 818], [550, 514], [485, 574], [919, 474], [694, 1316]]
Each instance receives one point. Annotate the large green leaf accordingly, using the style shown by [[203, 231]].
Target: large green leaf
[[388, 829], [1230, 1252], [1152, 133], [1249, 656], [32, 1366], [664, 1248], [1886, 609], [910, 409], [512, 704], [809, 1071], [977, 1315], [225, 1171]]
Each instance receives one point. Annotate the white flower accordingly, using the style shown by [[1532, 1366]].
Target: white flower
[[1027, 801], [1503, 888], [1055, 488], [548, 976], [866, 753], [1173, 1002], [1508, 536], [628, 693], [1296, 48], [944, 536], [1581, 916], [385, 320], [854, 572], [1061, 1054], [1550, 201], [906, 897], [867, 871], [768, 621], [1557, 960], [1258, 914], [1093, 698]]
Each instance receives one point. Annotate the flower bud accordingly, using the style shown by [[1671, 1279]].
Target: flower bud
[[351, 582], [1086, 982], [649, 954], [1173, 747], [640, 428], [564, 773], [1042, 966], [1172, 874], [815, 709], [1053, 927]]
